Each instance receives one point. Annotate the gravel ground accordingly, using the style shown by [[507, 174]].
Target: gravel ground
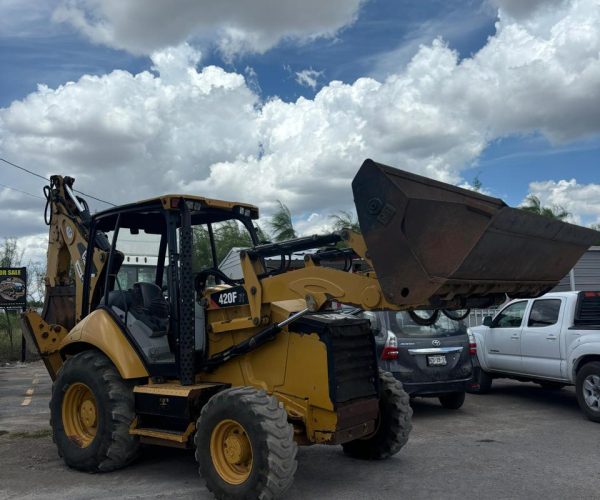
[[520, 441]]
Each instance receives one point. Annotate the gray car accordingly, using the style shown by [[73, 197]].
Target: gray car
[[430, 361]]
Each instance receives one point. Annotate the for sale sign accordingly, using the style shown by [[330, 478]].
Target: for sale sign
[[13, 287]]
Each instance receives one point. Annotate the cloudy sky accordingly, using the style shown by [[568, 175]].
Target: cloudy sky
[[264, 100]]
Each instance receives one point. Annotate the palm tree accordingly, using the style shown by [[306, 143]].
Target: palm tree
[[343, 220], [281, 224], [534, 205]]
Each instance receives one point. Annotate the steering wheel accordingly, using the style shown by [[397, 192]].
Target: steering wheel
[[202, 277]]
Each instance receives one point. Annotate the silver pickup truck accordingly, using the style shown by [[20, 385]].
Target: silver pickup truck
[[553, 340]]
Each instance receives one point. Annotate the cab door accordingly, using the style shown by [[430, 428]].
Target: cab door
[[540, 339], [503, 338]]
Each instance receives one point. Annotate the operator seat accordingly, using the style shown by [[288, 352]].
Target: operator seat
[[119, 298]]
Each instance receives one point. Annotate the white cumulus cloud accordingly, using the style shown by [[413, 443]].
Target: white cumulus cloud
[[581, 200], [308, 77], [238, 26], [205, 130]]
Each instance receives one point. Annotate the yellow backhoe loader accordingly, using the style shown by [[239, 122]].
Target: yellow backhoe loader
[[244, 370]]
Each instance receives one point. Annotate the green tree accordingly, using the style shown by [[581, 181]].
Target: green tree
[[263, 236], [344, 219], [281, 224], [534, 205], [10, 255], [476, 184], [201, 258], [227, 234]]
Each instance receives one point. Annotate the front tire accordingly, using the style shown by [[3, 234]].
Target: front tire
[[452, 400], [91, 410], [393, 427], [587, 388], [245, 446]]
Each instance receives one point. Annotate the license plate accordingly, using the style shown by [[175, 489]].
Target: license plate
[[438, 360]]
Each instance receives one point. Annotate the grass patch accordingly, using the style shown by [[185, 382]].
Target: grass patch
[[12, 352]]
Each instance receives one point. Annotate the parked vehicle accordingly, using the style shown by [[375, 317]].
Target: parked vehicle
[[553, 340], [430, 361]]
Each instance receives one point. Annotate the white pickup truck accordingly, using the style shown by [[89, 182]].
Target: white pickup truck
[[553, 340]]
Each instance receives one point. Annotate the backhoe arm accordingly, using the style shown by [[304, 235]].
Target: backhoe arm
[[68, 218]]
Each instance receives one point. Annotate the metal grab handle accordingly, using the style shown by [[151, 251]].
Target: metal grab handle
[[435, 350]]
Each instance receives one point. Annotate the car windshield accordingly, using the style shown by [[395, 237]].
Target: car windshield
[[403, 326]]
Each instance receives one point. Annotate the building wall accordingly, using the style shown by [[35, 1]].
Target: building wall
[[585, 275]]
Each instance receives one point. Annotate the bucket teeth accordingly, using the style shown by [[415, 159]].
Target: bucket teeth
[[437, 245]]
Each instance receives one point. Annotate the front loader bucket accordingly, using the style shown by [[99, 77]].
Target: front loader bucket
[[437, 245]]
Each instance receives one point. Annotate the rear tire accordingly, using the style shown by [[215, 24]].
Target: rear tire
[[245, 446], [587, 388], [91, 409], [394, 424], [452, 400], [481, 383]]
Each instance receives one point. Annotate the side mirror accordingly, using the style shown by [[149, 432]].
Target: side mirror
[[487, 321]]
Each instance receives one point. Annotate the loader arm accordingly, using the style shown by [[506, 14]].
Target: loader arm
[[429, 245]]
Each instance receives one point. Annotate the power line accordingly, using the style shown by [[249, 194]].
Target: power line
[[46, 179], [24, 192], [24, 169]]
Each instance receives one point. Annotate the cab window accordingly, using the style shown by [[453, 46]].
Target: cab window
[[403, 326], [544, 313], [511, 316]]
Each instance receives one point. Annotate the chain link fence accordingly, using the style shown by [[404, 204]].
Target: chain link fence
[[475, 317]]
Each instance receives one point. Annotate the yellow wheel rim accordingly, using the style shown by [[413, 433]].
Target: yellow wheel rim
[[231, 451], [80, 415]]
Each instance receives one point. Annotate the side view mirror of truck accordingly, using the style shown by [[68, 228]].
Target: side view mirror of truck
[[487, 321]]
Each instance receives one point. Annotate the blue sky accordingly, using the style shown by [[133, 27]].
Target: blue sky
[[554, 142], [59, 54]]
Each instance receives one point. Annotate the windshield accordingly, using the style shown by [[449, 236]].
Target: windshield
[[401, 324]]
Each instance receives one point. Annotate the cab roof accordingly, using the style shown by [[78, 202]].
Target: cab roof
[[203, 210], [171, 202]]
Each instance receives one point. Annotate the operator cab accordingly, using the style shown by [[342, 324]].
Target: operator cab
[[145, 297]]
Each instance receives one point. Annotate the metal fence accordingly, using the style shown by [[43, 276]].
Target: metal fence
[[475, 317]]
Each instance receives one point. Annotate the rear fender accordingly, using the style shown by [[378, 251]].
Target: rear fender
[[583, 353], [99, 330], [481, 349]]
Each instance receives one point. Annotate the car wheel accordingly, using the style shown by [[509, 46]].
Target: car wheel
[[587, 388], [452, 400], [481, 383]]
